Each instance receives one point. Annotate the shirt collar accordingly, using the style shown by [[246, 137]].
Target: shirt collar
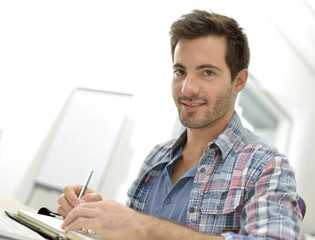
[[225, 141], [179, 143]]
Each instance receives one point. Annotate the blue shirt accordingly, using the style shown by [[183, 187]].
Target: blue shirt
[[167, 200], [242, 188]]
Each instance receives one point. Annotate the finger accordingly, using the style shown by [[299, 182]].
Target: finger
[[62, 212], [72, 192], [65, 204], [80, 212], [91, 197], [80, 223]]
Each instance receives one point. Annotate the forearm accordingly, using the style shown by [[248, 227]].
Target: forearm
[[115, 221], [154, 228]]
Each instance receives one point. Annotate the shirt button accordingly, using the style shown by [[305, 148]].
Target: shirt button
[[167, 201], [219, 207], [202, 170], [192, 210]]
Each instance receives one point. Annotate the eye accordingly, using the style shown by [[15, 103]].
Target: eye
[[179, 72], [208, 73]]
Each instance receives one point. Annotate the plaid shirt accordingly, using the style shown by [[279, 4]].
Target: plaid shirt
[[242, 188]]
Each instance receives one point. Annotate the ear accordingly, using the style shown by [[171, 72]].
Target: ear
[[240, 80]]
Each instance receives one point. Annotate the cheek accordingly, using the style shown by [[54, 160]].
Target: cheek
[[176, 91], [176, 87]]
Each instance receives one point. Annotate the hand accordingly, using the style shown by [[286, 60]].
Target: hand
[[69, 199], [106, 218]]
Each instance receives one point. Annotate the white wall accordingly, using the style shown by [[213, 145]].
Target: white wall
[[47, 48]]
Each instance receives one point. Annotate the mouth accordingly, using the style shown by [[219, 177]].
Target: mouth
[[192, 104]]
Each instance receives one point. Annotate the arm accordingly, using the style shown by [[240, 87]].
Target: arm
[[272, 210], [115, 221]]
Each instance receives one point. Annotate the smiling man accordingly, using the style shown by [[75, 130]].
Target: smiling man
[[204, 94], [202, 86], [217, 179]]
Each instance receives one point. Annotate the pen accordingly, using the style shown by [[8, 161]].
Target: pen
[[86, 184]]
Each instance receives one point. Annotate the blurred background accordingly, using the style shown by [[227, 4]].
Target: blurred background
[[50, 48]]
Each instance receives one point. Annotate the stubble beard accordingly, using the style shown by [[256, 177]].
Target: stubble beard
[[212, 116]]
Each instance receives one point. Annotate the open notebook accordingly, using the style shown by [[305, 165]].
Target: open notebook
[[50, 227]]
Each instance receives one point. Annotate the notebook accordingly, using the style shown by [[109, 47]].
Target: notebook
[[10, 229], [50, 227]]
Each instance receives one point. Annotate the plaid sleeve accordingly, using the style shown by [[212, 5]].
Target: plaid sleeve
[[272, 210]]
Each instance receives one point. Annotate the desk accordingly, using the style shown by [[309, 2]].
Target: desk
[[13, 206]]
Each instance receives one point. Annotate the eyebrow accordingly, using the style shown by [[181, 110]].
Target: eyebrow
[[208, 66], [178, 65]]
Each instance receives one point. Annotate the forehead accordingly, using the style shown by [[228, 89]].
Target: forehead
[[204, 49]]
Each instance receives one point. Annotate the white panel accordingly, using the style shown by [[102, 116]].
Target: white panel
[[85, 139]]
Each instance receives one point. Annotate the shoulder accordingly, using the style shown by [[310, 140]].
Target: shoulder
[[266, 164], [149, 171], [253, 145], [158, 152], [256, 155], [239, 142], [162, 152]]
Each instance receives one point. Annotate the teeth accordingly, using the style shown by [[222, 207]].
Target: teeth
[[194, 104]]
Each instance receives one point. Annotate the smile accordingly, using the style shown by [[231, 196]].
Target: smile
[[193, 104]]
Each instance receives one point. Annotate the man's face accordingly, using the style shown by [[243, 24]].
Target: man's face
[[202, 87]]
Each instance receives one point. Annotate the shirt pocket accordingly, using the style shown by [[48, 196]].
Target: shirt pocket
[[221, 210], [221, 201]]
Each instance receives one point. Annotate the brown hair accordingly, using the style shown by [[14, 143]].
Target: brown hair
[[201, 23]]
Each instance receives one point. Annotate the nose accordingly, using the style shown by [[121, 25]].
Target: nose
[[190, 86]]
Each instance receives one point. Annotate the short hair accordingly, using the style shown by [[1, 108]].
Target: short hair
[[200, 23]]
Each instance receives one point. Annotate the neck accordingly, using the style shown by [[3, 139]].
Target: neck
[[197, 139]]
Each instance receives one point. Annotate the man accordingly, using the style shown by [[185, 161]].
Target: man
[[217, 180]]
